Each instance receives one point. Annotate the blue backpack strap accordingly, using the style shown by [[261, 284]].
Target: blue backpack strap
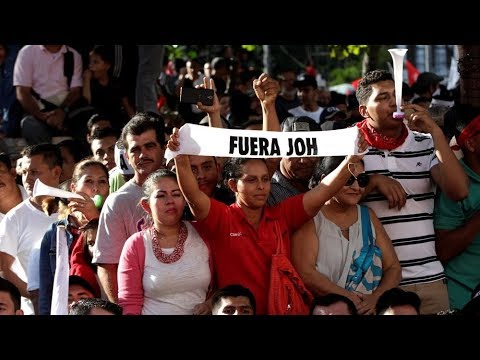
[[363, 262], [366, 226]]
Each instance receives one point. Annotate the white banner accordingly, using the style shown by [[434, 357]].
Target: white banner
[[62, 271], [205, 140]]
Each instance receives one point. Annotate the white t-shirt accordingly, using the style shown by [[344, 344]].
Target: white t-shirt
[[175, 289], [21, 228], [300, 111]]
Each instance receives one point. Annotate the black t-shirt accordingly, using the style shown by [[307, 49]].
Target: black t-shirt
[[282, 106], [107, 101]]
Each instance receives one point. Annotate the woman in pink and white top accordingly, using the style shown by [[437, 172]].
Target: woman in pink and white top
[[165, 268]]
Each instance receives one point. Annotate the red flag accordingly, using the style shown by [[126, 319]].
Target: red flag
[[355, 83], [310, 70], [412, 72]]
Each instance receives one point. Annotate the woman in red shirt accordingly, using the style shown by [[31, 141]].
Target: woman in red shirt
[[243, 236]]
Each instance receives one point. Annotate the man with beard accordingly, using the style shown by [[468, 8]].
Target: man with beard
[[122, 215], [293, 174]]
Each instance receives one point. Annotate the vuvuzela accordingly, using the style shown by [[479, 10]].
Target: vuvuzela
[[397, 56]]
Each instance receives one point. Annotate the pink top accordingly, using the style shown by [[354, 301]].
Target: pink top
[[129, 283], [42, 70], [146, 286]]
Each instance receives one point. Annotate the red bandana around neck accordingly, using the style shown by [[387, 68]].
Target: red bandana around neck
[[380, 141]]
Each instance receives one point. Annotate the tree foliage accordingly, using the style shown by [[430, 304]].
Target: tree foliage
[[337, 63], [250, 48], [340, 75], [180, 52], [341, 52]]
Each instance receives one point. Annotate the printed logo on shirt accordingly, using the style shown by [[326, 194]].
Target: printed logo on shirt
[[236, 234]]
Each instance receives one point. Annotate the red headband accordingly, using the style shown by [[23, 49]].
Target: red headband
[[471, 129]]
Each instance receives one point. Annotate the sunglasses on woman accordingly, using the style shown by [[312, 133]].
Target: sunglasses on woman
[[362, 179]]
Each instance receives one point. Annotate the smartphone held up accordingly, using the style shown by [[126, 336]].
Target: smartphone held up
[[196, 95]]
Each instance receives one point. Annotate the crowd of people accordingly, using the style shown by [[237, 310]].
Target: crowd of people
[[390, 229]]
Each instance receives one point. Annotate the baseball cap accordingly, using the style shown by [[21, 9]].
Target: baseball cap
[[304, 80], [330, 112], [299, 123]]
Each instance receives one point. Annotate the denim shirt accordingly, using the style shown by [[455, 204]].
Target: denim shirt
[[48, 263]]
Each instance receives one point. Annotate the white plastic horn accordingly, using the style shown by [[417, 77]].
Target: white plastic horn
[[40, 189], [397, 56]]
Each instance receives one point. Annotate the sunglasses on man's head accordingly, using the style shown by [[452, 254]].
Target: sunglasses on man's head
[[362, 179]]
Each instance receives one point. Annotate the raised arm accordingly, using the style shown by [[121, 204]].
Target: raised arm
[[448, 173], [213, 111], [314, 199], [266, 90], [197, 200]]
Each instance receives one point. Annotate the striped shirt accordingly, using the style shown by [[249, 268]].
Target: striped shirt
[[280, 189], [411, 228]]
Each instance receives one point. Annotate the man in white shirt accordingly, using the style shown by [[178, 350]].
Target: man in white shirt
[[45, 89], [308, 95], [24, 225]]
